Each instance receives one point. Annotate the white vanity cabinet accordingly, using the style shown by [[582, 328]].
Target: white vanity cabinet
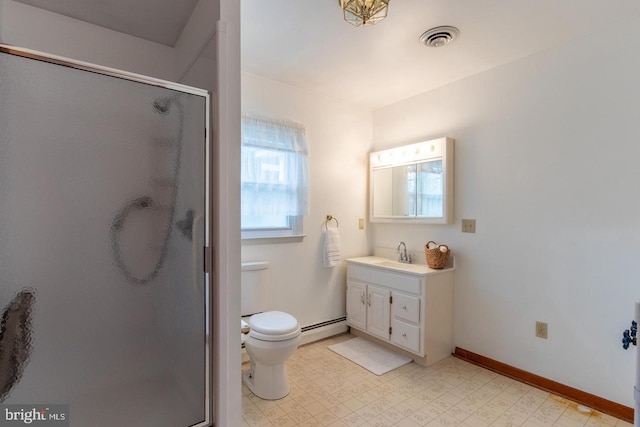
[[407, 306]]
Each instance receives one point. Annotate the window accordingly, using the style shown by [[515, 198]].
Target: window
[[274, 178]]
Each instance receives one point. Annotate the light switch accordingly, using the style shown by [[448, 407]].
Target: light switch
[[468, 225]]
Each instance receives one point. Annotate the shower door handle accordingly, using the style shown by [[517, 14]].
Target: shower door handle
[[195, 221]]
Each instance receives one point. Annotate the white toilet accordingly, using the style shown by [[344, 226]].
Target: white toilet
[[273, 335]]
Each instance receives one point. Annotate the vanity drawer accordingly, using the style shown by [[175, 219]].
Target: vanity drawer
[[405, 335], [406, 307]]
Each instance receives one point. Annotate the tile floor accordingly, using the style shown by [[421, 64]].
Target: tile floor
[[329, 390]]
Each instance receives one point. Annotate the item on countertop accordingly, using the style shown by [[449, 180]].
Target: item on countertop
[[437, 254]]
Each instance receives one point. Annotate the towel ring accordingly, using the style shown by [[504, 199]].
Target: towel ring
[[329, 219]]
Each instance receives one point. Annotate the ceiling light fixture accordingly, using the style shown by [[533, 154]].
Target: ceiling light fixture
[[364, 12], [439, 36]]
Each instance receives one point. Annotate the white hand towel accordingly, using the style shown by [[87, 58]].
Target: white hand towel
[[331, 256]]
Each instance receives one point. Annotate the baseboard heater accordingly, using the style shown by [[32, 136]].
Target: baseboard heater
[[324, 324]]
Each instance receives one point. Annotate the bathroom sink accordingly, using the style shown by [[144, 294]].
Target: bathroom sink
[[398, 265]]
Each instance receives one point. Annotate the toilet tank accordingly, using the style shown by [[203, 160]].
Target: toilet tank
[[254, 285]]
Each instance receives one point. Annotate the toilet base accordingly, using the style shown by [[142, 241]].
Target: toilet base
[[270, 383]]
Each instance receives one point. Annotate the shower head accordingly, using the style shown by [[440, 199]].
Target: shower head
[[136, 204], [161, 105]]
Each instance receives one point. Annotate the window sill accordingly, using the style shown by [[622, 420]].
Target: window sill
[[274, 239]]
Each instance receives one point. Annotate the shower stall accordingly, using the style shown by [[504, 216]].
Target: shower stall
[[104, 225]]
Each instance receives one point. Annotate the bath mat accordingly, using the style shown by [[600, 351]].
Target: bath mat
[[370, 356]]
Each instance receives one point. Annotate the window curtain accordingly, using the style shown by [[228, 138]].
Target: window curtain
[[274, 170]]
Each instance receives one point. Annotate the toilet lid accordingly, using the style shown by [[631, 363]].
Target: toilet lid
[[273, 325]]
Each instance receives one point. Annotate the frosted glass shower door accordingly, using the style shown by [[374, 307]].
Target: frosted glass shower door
[[103, 220]]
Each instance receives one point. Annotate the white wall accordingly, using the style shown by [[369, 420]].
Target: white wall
[[546, 162], [34, 28], [227, 215], [339, 138], [195, 48]]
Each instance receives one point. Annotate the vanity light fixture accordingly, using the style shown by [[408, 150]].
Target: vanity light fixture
[[364, 12], [407, 153]]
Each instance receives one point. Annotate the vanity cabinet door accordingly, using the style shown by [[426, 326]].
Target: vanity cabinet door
[[378, 311], [356, 305]]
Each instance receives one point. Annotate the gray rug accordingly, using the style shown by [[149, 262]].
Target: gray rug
[[370, 356]]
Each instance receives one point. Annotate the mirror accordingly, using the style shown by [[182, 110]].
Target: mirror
[[412, 183]]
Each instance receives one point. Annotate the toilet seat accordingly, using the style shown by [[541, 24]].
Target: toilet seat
[[273, 326]]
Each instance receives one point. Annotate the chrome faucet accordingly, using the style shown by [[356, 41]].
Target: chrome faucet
[[403, 254]]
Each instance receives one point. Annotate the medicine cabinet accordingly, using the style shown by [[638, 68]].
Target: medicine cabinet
[[412, 183]]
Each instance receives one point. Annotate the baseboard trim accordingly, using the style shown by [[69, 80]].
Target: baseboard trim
[[592, 401]]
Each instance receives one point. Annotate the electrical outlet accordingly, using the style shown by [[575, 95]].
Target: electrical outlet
[[361, 223], [468, 225], [542, 330]]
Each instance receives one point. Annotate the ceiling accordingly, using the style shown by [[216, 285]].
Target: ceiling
[[160, 21], [306, 43]]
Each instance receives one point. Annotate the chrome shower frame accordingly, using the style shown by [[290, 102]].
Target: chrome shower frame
[[208, 262]]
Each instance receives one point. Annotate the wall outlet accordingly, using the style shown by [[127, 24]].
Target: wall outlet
[[361, 223], [542, 330], [468, 225]]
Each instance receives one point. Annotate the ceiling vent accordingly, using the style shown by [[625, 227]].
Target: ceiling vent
[[439, 36]]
